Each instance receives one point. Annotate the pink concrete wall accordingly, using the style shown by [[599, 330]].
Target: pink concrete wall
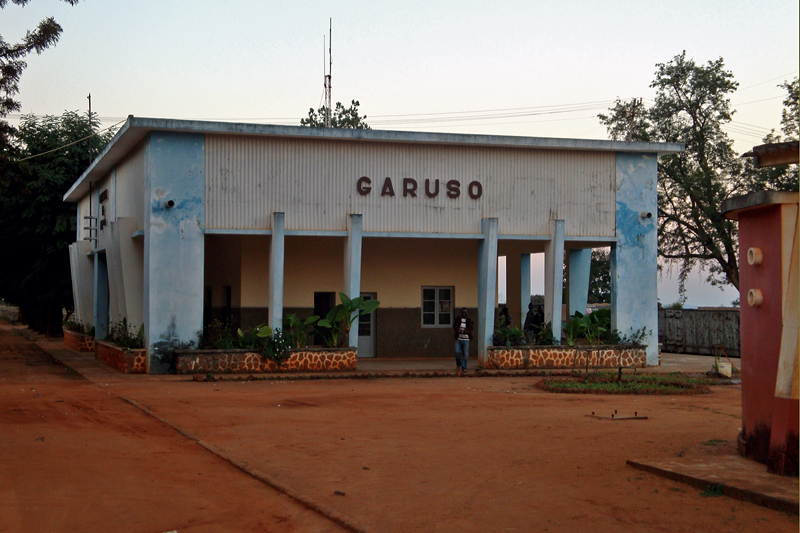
[[761, 328]]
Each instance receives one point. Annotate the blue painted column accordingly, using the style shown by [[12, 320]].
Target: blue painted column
[[174, 245], [580, 264], [525, 287], [554, 278], [276, 259], [487, 286], [634, 259], [352, 266], [100, 307]]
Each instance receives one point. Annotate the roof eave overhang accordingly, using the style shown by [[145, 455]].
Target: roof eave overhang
[[136, 129], [732, 207]]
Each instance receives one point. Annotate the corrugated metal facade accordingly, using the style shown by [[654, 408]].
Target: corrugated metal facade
[[314, 183]]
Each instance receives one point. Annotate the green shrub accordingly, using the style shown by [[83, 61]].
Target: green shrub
[[121, 334], [77, 326], [508, 337], [542, 335], [271, 344], [297, 328], [217, 335]]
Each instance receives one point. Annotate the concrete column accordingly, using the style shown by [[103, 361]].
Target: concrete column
[[174, 245], [352, 266], [634, 265], [580, 263], [82, 270], [276, 260], [525, 287], [554, 277], [487, 286], [100, 307]]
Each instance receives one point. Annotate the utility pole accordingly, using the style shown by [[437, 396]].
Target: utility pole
[[91, 219], [637, 103], [328, 76], [90, 127]]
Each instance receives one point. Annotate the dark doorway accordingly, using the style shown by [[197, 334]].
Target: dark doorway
[[323, 303]]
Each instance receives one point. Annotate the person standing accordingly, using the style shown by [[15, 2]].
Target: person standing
[[504, 318], [462, 331], [530, 322]]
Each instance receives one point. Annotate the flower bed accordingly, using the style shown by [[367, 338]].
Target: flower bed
[[247, 362], [604, 384], [123, 359], [79, 342], [500, 357]]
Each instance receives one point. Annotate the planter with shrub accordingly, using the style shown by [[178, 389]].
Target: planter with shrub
[[78, 337], [122, 349]]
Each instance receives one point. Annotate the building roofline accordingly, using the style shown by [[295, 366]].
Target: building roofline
[[731, 207], [136, 129]]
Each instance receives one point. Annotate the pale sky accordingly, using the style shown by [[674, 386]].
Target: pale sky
[[414, 66]]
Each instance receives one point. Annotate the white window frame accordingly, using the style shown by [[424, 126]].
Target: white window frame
[[437, 306]]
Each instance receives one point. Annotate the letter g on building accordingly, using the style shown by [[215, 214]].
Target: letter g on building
[[364, 185]]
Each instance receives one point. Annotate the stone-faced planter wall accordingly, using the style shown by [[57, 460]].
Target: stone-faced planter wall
[[123, 359], [248, 362], [500, 357], [78, 341]]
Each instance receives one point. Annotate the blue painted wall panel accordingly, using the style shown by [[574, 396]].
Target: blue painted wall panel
[[174, 244], [634, 267]]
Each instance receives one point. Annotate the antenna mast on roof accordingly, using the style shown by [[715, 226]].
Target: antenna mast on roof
[[328, 76]]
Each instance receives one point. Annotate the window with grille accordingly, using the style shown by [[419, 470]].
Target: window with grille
[[437, 307]]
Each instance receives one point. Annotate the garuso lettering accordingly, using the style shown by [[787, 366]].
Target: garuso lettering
[[410, 186]]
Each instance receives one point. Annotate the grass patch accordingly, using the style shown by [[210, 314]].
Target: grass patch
[[609, 384], [713, 490]]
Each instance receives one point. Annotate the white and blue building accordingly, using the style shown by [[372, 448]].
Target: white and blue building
[[180, 222]]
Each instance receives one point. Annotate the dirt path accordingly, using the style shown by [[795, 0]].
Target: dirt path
[[74, 457], [464, 455]]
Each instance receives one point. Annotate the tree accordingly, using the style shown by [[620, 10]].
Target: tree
[[789, 117], [25, 268], [782, 178], [340, 118], [12, 64], [600, 277], [37, 225], [692, 105]]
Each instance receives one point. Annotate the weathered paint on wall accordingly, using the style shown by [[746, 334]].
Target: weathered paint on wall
[[761, 330], [634, 266], [173, 245]]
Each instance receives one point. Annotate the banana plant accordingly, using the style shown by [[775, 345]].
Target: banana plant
[[341, 317], [298, 328]]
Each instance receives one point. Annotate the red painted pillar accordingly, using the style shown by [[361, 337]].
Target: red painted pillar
[[767, 237]]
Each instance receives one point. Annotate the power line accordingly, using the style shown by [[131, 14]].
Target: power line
[[69, 144], [756, 101], [763, 82]]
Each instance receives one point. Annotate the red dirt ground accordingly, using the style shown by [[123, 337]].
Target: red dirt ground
[[464, 455]]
